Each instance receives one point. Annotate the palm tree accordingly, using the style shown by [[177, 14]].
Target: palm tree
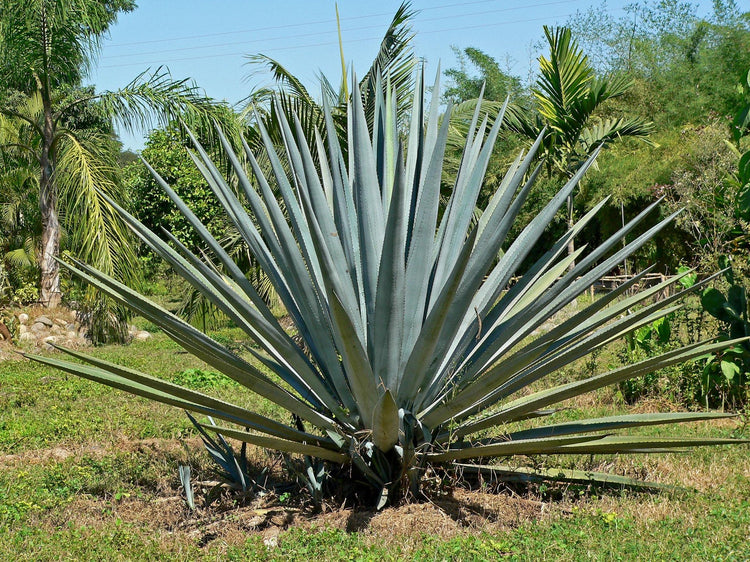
[[568, 99], [394, 60], [45, 47]]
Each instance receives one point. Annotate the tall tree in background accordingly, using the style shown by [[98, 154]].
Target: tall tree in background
[[394, 62], [568, 100], [465, 85], [685, 66], [479, 75], [47, 46]]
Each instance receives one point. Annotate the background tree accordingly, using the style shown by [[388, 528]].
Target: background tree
[[166, 151], [684, 70], [46, 47], [683, 66], [394, 62], [478, 74], [569, 101], [466, 85], [20, 226]]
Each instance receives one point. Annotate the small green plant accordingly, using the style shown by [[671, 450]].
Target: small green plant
[[26, 294], [647, 341], [201, 379], [725, 375], [652, 337], [234, 469]]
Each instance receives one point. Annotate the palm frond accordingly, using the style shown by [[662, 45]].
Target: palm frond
[[155, 97], [283, 77], [395, 61], [605, 131]]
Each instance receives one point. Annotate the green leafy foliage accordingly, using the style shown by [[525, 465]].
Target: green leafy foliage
[[568, 101], [201, 379], [73, 30], [684, 66], [166, 151], [65, 133], [491, 82], [725, 375]]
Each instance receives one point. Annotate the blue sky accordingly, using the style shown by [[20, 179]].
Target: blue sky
[[208, 41]]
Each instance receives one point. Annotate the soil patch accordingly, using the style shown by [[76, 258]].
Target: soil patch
[[463, 512]]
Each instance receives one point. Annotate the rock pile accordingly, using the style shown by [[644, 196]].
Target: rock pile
[[61, 327]]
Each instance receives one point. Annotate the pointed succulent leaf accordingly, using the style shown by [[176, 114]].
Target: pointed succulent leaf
[[385, 422]]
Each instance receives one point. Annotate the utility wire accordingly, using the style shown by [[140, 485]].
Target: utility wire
[[328, 43], [328, 32], [308, 23]]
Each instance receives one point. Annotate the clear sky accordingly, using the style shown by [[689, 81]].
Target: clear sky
[[207, 41]]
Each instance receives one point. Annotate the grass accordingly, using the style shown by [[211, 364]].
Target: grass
[[90, 473]]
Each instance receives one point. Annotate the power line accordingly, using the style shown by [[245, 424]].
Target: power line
[[308, 24], [329, 43], [328, 32]]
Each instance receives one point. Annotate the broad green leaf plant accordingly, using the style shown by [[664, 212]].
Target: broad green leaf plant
[[420, 325]]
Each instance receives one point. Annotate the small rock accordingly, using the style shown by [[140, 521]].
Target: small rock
[[22, 329], [71, 334], [27, 336], [38, 327], [271, 540], [23, 318], [47, 343], [57, 330], [142, 335], [70, 327], [61, 321], [44, 320]]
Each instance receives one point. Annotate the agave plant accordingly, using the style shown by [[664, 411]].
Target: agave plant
[[418, 329]]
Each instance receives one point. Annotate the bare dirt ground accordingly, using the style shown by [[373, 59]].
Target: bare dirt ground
[[462, 512]]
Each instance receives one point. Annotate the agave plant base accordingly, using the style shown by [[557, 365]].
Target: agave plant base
[[417, 343]]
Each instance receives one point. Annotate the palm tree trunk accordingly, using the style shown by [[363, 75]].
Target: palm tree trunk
[[50, 295]]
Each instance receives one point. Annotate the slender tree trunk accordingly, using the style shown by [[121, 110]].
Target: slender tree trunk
[[49, 293]]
